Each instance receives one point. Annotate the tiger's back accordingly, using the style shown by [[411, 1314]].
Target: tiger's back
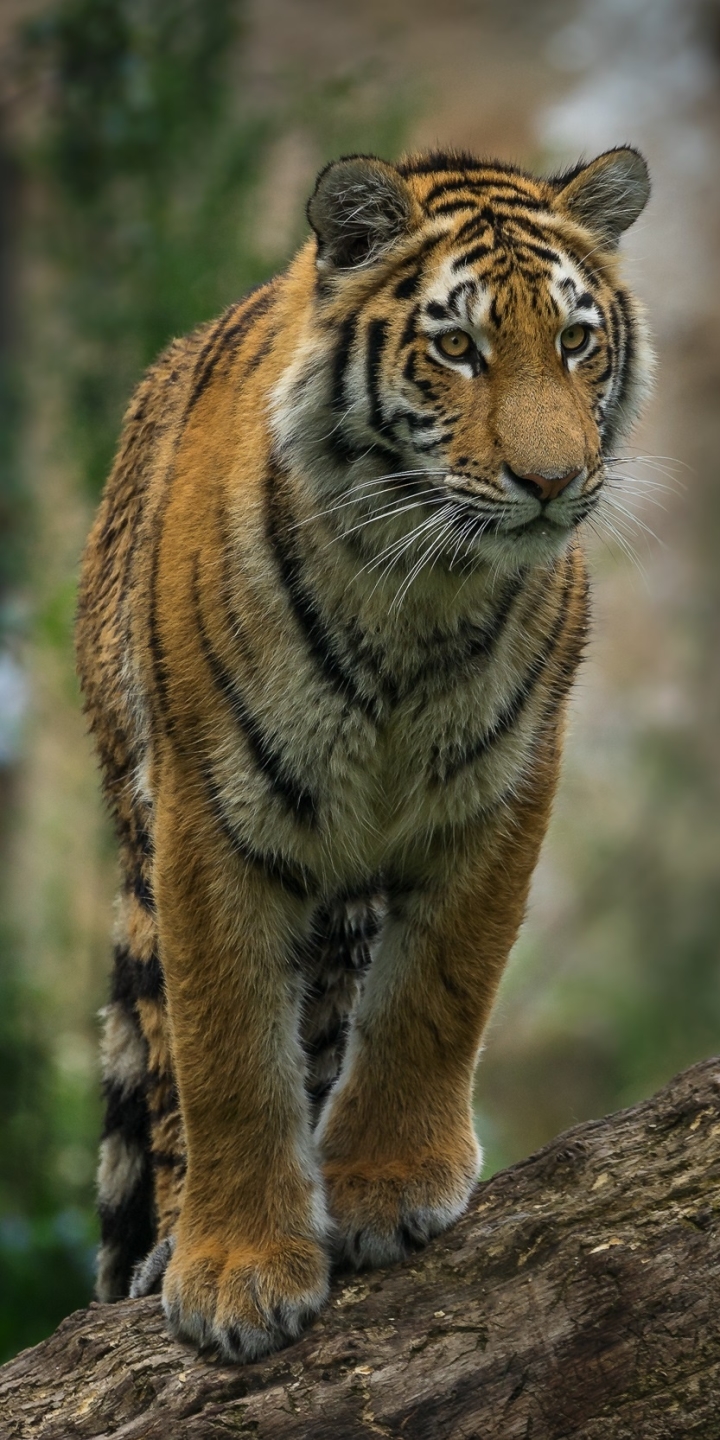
[[331, 609]]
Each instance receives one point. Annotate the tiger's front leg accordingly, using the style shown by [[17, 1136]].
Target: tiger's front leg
[[400, 1154], [250, 1266]]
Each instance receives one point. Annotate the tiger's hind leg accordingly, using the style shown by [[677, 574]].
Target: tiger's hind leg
[[335, 960]]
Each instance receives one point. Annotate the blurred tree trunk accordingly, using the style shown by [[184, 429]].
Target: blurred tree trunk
[[577, 1298]]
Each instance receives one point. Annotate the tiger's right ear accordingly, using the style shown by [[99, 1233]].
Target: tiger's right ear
[[359, 209]]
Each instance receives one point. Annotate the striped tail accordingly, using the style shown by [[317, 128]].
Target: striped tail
[[142, 1151]]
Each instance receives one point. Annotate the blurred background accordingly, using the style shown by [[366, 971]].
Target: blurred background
[[155, 157]]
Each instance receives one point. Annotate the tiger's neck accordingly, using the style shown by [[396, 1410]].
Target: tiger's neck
[[400, 617]]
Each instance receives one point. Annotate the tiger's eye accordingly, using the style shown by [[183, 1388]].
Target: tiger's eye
[[454, 343], [573, 337]]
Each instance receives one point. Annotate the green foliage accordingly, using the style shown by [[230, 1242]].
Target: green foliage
[[45, 1252], [138, 86], [46, 1268], [147, 173]]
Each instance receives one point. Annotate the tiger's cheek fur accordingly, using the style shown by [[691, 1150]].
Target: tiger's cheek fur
[[327, 627]]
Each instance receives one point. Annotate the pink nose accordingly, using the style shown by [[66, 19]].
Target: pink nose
[[546, 487]]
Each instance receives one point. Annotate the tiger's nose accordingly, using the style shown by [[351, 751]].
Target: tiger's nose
[[546, 487]]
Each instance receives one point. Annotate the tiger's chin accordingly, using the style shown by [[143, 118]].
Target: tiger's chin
[[539, 542]]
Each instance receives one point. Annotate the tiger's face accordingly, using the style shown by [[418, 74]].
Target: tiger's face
[[473, 356]]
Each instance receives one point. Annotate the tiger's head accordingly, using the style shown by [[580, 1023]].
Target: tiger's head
[[468, 356]]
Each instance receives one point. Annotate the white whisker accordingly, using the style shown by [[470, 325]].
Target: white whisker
[[435, 544], [619, 509]]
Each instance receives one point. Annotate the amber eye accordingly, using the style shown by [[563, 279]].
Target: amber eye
[[454, 343], [574, 337]]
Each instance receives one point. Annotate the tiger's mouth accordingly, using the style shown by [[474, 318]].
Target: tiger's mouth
[[494, 532], [479, 517]]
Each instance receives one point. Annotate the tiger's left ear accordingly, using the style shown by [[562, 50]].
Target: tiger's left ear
[[360, 207], [607, 195]]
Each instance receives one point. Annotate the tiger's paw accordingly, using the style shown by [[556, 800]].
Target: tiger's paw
[[384, 1213], [242, 1301]]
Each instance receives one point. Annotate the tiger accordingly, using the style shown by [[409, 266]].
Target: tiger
[[329, 618]]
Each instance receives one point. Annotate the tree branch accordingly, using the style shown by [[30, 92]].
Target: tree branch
[[577, 1298]]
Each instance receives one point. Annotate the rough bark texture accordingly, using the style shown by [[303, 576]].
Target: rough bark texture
[[577, 1298]]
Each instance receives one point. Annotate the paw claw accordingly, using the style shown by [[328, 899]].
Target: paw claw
[[245, 1304], [382, 1215]]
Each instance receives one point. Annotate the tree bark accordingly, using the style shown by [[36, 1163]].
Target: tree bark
[[577, 1298]]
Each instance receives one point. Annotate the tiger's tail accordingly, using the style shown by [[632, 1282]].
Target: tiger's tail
[[142, 1152]]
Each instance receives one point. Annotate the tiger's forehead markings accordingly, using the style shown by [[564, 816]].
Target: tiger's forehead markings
[[569, 291], [489, 185], [450, 296], [495, 236]]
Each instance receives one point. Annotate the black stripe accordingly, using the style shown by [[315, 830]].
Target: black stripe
[[472, 227], [134, 979], [169, 1106], [295, 879], [126, 1113], [410, 329], [129, 1228], [500, 271], [628, 348], [341, 357], [511, 712], [268, 760], [450, 161], [512, 202], [423, 385], [228, 338], [516, 235], [605, 376], [458, 290], [406, 288], [402, 290], [158, 661], [208, 358], [202, 357], [449, 187], [455, 654], [164, 1160], [486, 183], [452, 207], [543, 252], [138, 885], [616, 350], [339, 445], [417, 422], [478, 252], [377, 337], [484, 641], [308, 617], [437, 311], [516, 227], [562, 681]]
